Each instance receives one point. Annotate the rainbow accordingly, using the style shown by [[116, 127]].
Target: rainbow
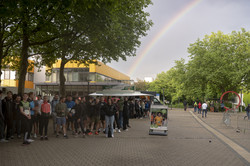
[[162, 32]]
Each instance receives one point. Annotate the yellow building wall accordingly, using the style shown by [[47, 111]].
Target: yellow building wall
[[28, 84], [101, 68], [14, 83], [108, 71], [70, 64]]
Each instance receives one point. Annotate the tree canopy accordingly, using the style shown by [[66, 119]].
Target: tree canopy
[[76, 30], [218, 63]]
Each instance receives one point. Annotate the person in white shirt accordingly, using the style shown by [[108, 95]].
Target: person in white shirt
[[204, 109]]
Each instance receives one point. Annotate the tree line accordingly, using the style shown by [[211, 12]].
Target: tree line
[[217, 63]]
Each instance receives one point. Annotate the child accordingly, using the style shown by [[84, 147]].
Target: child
[[158, 119]]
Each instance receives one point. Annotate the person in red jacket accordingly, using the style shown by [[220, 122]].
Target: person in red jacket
[[199, 108], [44, 119]]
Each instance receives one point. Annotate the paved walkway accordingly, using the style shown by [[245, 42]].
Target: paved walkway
[[187, 143]]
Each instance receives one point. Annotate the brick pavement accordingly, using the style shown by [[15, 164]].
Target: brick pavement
[[187, 143]]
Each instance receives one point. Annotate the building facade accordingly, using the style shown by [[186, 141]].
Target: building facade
[[80, 79], [9, 79]]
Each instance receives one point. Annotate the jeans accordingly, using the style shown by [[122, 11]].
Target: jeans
[[195, 109], [204, 110], [248, 114], [109, 123], [121, 119]]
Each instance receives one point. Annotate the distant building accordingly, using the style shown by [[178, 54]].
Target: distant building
[[9, 79], [80, 79]]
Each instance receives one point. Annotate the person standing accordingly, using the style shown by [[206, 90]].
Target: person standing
[[95, 119], [25, 119], [248, 111], [61, 115], [83, 120], [45, 113], [125, 114], [109, 117], [77, 109], [199, 108], [204, 109], [222, 105], [195, 106], [185, 105], [116, 115], [54, 102], [7, 105], [2, 139], [17, 116], [70, 121], [90, 114], [120, 106], [102, 113]]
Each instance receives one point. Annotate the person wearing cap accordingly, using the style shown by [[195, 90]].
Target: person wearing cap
[[248, 111]]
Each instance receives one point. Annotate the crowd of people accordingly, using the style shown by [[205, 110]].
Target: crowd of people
[[28, 116]]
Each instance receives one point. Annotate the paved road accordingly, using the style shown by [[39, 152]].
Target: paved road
[[187, 143]]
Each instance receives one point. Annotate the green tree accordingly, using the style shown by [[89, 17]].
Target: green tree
[[172, 82], [141, 85], [218, 63], [104, 31], [9, 25]]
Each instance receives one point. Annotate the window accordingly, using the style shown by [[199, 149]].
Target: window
[[6, 74], [12, 75], [48, 78], [75, 76], [2, 76], [30, 77]]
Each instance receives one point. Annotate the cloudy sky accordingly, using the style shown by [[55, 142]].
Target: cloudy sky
[[178, 23]]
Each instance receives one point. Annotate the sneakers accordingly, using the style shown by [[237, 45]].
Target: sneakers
[[104, 131], [96, 133], [12, 137], [90, 133], [57, 135], [26, 143], [19, 136], [76, 135], [113, 136], [4, 140], [106, 135], [129, 126], [65, 136], [35, 136], [83, 135], [30, 140], [119, 130], [46, 138]]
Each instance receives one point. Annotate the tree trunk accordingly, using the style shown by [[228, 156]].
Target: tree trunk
[[62, 78], [23, 65]]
